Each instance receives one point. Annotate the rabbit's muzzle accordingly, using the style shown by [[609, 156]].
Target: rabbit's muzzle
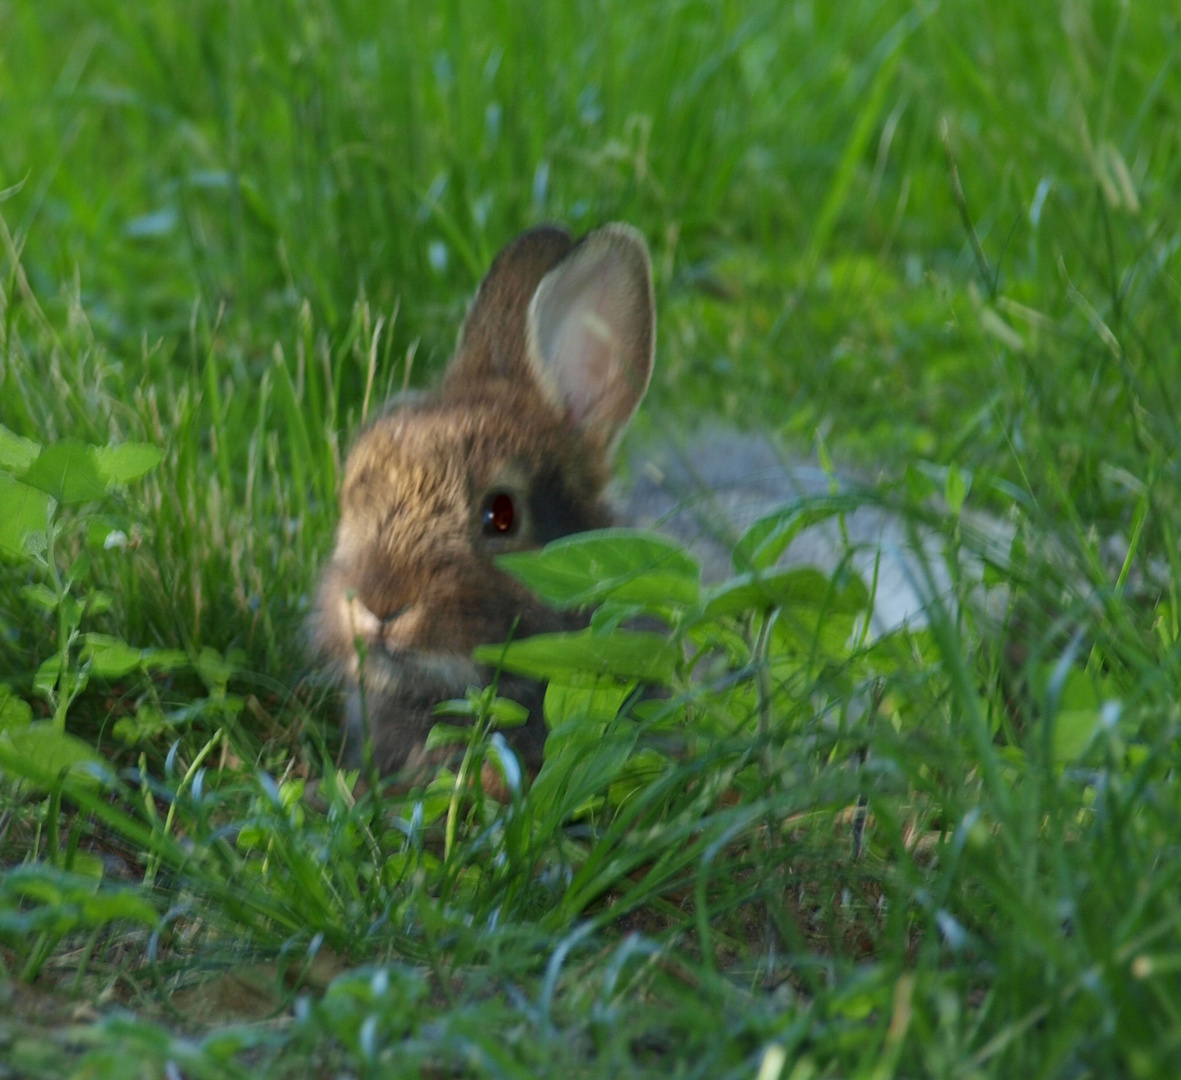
[[398, 674]]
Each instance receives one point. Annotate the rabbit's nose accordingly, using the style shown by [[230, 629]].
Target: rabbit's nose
[[404, 628], [394, 616]]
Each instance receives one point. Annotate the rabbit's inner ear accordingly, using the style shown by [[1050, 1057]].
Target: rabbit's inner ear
[[591, 331]]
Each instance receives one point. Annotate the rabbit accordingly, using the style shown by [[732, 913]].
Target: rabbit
[[513, 450]]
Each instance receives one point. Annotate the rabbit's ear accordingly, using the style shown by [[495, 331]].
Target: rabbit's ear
[[591, 329], [492, 341]]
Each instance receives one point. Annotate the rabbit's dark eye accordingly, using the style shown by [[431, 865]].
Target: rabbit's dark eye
[[500, 514]]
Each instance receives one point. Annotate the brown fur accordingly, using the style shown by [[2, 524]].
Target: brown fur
[[412, 580]]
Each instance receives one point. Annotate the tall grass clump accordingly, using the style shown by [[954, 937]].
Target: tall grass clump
[[936, 244]]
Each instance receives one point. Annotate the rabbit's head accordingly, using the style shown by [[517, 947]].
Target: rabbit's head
[[512, 451]]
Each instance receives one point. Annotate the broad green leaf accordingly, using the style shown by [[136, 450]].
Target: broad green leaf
[[35, 542], [447, 735], [585, 752], [369, 1006], [1076, 697], [505, 713], [598, 699], [148, 722], [98, 602], [621, 564], [82, 896], [47, 674], [16, 452], [623, 654], [795, 587], [919, 483], [642, 768], [15, 712], [582, 759], [610, 615], [23, 510], [87, 865], [501, 711], [67, 470], [253, 836], [39, 752], [107, 906], [164, 659], [56, 675], [291, 793], [1073, 731], [760, 547], [215, 670], [126, 462], [109, 656], [41, 595], [1072, 687], [437, 797]]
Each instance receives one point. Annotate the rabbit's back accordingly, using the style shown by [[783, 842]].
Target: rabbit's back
[[707, 489]]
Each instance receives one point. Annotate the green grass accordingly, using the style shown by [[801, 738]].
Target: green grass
[[936, 241]]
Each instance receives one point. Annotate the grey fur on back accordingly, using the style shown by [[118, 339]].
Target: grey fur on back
[[705, 491]]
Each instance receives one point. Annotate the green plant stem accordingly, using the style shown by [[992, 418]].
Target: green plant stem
[[153, 865]]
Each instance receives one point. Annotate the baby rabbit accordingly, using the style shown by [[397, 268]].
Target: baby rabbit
[[513, 450]]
